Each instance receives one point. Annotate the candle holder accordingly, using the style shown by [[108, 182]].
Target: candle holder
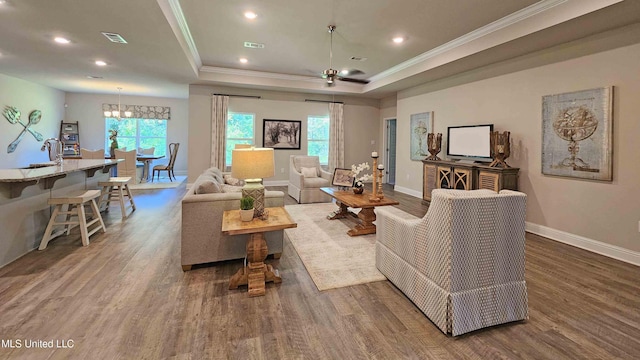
[[434, 144], [374, 188], [380, 194], [500, 148]]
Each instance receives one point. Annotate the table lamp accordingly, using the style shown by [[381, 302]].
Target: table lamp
[[252, 165]]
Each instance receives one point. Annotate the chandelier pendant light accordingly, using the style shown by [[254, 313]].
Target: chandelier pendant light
[[116, 113]]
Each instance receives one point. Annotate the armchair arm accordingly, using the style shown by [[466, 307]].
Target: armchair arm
[[326, 175], [396, 231], [295, 178]]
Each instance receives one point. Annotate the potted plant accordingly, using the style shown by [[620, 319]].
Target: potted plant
[[246, 208]]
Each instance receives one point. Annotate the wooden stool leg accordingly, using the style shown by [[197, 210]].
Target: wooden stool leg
[[110, 193], [67, 218], [47, 233], [121, 199], [96, 212], [82, 220], [133, 204]]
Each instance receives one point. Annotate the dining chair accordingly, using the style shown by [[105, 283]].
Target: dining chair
[[92, 154], [173, 152], [127, 168]]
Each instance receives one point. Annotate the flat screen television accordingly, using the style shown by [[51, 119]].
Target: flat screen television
[[471, 142]]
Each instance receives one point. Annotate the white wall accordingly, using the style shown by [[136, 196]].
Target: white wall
[[26, 97], [584, 211], [87, 110], [361, 124]]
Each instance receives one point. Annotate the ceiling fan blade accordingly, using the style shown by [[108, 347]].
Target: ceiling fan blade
[[358, 81]]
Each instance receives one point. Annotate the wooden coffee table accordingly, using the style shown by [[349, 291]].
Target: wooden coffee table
[[256, 272], [347, 199]]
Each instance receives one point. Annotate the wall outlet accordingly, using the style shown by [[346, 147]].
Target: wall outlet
[[408, 176], [373, 142], [281, 170]]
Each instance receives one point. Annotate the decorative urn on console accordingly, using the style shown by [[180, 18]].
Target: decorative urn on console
[[434, 144]]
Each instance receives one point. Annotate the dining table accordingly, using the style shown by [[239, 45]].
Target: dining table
[[145, 159], [146, 167]]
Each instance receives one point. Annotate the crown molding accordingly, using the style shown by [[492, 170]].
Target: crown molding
[[174, 15], [258, 74], [499, 24]]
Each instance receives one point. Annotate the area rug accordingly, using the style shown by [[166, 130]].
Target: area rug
[[162, 183], [332, 258]]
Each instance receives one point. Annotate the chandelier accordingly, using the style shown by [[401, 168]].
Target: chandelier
[[116, 113]]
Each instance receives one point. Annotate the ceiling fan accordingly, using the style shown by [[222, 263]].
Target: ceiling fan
[[331, 74]]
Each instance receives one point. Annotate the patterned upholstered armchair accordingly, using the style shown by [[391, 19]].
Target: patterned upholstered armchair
[[462, 264], [306, 177]]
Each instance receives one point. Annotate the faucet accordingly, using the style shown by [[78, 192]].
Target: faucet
[[55, 147]]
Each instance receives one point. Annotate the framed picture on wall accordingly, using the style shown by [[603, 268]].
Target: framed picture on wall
[[421, 124], [577, 134], [281, 134]]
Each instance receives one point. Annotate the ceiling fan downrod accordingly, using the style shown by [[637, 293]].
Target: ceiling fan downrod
[[331, 73]]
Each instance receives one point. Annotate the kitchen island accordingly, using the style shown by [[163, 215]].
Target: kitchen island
[[24, 212]]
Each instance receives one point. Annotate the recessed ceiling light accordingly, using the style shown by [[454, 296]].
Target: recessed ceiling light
[[94, 77], [344, 72], [61, 40], [101, 63], [244, 60], [398, 40], [250, 15]]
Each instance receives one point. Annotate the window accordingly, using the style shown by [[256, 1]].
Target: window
[[239, 131], [138, 133], [318, 138]]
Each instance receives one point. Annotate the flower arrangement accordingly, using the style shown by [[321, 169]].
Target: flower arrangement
[[356, 170]]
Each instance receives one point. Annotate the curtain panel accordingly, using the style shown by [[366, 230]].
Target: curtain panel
[[336, 136], [141, 111], [219, 111]]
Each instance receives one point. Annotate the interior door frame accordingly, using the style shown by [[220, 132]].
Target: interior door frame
[[385, 137]]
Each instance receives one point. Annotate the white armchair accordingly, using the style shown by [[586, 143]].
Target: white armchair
[[462, 264], [306, 177]]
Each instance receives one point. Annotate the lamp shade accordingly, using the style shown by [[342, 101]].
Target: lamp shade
[[243, 146], [253, 163]]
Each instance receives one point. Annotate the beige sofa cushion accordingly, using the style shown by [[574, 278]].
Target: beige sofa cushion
[[208, 187]]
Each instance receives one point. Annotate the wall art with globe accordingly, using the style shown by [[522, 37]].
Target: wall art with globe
[[577, 134]]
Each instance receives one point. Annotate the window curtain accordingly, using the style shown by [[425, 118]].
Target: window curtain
[[336, 136], [219, 110]]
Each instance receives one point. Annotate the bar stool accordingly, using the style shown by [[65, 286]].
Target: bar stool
[[74, 203], [117, 188]]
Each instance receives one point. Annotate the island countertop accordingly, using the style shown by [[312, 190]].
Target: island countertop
[[68, 166], [16, 180]]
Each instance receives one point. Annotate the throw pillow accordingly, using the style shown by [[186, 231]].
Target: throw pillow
[[208, 187], [228, 179], [309, 172]]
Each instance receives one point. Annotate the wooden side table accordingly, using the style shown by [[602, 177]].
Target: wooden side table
[[256, 273]]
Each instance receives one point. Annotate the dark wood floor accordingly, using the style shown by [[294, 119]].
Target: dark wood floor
[[126, 297]]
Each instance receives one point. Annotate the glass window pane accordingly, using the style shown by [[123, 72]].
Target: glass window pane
[[240, 130], [138, 133], [318, 138]]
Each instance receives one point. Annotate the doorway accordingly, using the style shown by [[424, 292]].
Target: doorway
[[390, 146]]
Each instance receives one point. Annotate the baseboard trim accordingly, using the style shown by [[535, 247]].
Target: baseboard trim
[[598, 247], [407, 191], [276, 183]]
